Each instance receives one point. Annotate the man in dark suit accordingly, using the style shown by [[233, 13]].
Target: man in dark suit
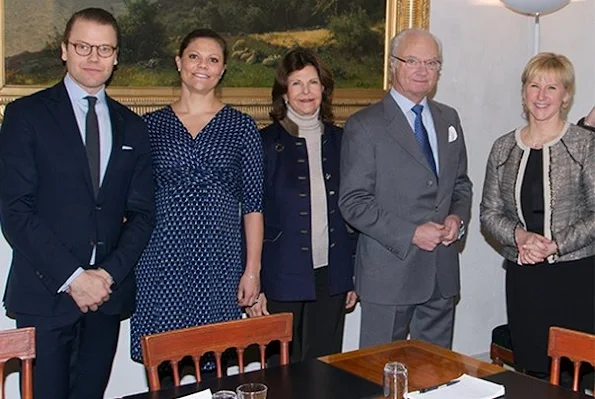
[[77, 208], [404, 186]]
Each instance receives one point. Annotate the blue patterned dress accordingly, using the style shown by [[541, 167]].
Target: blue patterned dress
[[189, 272]]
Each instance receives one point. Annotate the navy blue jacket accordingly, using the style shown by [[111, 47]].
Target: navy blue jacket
[[50, 215], [287, 270]]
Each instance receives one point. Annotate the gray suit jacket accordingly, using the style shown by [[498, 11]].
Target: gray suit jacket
[[388, 189], [569, 204]]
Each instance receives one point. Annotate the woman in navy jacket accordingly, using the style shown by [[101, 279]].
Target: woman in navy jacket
[[307, 259]]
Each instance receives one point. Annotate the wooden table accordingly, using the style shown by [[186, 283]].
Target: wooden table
[[358, 375], [427, 364], [310, 379]]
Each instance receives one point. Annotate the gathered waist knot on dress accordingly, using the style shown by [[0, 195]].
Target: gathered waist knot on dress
[[198, 182]]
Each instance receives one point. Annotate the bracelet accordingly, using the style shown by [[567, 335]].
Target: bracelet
[[251, 275]]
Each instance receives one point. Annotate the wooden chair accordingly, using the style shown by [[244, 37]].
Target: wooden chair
[[173, 346], [20, 344], [501, 346], [577, 346]]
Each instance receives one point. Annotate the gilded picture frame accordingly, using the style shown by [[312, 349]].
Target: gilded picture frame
[[400, 14]]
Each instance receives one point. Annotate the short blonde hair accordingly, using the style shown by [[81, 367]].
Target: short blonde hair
[[557, 64]]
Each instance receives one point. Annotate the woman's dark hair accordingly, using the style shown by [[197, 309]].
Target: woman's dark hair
[[204, 33], [295, 60]]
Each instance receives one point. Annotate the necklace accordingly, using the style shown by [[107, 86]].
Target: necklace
[[540, 139]]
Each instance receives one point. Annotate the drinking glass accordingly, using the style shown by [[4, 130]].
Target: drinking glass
[[252, 390], [395, 380], [224, 395]]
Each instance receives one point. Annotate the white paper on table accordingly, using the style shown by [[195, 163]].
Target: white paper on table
[[468, 387], [206, 394]]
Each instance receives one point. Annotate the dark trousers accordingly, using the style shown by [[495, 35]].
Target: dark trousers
[[545, 295], [74, 354], [317, 325]]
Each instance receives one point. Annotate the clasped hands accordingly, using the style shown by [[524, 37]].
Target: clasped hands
[[533, 248], [91, 289], [431, 234]]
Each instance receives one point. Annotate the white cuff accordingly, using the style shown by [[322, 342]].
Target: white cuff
[[73, 276]]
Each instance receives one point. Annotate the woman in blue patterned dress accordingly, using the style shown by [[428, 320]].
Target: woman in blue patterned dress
[[208, 169]]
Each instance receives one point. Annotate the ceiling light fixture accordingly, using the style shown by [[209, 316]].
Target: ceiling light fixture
[[535, 8]]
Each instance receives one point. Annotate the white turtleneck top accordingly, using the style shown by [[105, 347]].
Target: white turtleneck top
[[311, 128]]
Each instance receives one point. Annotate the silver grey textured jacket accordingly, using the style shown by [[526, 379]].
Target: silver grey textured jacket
[[569, 192]]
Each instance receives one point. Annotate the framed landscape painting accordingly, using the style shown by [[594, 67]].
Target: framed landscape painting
[[351, 37]]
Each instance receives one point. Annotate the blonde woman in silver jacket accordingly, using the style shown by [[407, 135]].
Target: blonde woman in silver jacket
[[539, 204]]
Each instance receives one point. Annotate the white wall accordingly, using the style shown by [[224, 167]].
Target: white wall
[[485, 50]]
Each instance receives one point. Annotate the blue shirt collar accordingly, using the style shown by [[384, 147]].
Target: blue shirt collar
[[77, 93], [404, 103]]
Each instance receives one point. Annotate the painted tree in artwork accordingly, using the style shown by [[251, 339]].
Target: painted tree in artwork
[[353, 34], [326, 6], [143, 37], [332, 8]]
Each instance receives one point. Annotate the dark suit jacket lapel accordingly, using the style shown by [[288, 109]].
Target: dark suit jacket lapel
[[117, 122], [445, 157], [398, 127], [441, 127], [60, 107]]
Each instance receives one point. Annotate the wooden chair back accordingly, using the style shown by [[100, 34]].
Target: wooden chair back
[[577, 346], [501, 347], [173, 346], [20, 344], [501, 355]]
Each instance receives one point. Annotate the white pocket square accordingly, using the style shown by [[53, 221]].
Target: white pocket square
[[452, 134], [126, 148]]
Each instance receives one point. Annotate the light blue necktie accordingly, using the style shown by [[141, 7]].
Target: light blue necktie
[[421, 135]]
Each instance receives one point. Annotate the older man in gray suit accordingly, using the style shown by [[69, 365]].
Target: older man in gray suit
[[404, 186]]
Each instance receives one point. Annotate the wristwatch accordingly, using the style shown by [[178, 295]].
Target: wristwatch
[[462, 230]]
